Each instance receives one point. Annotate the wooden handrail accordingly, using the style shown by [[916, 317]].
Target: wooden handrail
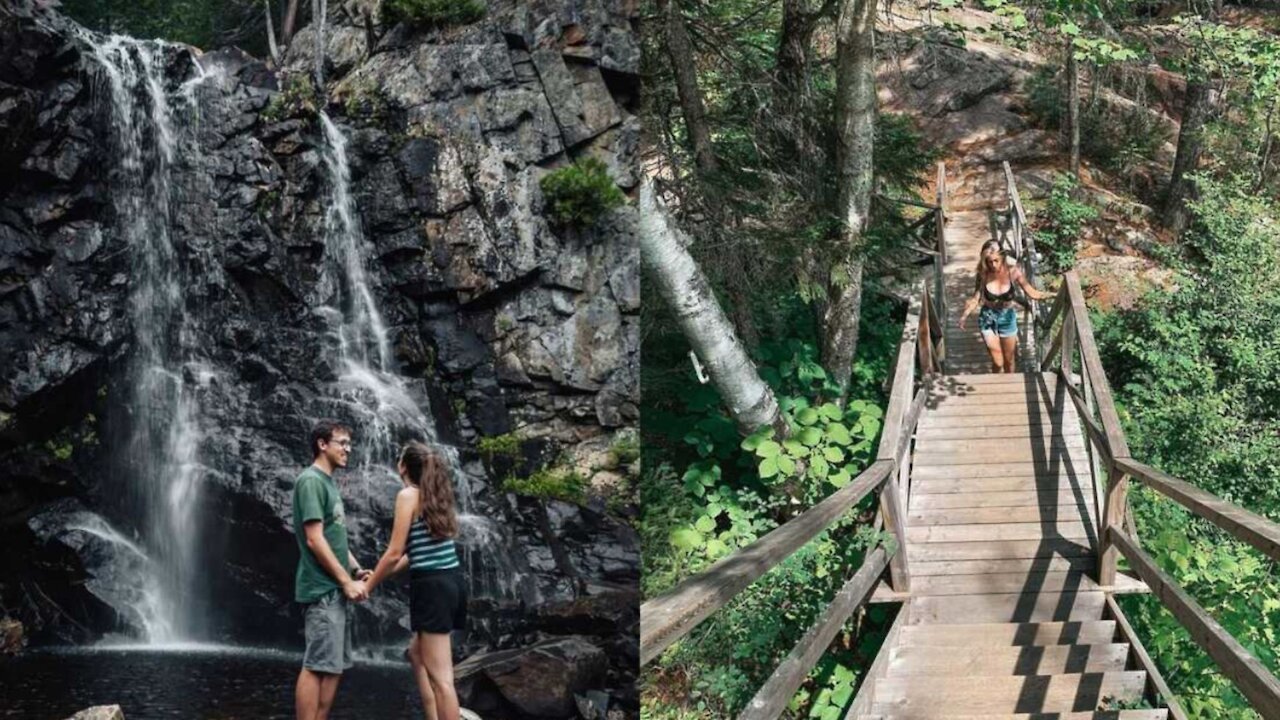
[[1107, 440], [1250, 527], [1255, 682], [670, 616]]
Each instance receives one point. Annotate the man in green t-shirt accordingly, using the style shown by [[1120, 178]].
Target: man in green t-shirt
[[329, 578]]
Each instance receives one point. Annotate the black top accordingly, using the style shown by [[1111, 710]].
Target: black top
[[1004, 297]]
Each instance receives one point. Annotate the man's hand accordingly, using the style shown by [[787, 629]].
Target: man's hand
[[355, 591], [363, 574]]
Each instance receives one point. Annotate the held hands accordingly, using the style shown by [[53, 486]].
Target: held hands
[[355, 591], [363, 574]]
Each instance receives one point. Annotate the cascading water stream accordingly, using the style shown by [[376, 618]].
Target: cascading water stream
[[371, 390], [162, 486]]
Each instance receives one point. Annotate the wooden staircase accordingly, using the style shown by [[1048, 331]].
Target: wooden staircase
[[1004, 618]]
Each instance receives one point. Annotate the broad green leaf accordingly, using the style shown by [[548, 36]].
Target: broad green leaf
[[786, 465], [818, 466], [831, 411], [833, 454], [768, 468], [686, 538], [768, 449], [839, 434], [705, 524], [807, 416], [840, 478]]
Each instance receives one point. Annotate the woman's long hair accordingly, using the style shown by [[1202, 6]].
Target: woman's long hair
[[427, 472]]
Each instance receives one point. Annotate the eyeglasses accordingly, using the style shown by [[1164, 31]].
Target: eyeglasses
[[344, 444]]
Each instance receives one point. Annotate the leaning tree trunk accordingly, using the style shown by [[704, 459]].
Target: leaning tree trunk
[[1190, 139], [1073, 108], [692, 107], [290, 22], [682, 285], [855, 141]]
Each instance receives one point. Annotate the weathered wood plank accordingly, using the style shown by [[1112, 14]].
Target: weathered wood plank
[[1250, 676], [998, 550], [1043, 422], [988, 432], [1010, 661], [1009, 634], [1044, 513], [971, 498], [900, 395], [1005, 583], [772, 697], [668, 617], [896, 523], [1015, 565], [1003, 455], [1027, 445], [1046, 483], [1032, 694], [1031, 607], [1159, 690], [1010, 469], [1005, 531], [1252, 528], [1159, 714], [1089, 353], [1091, 426], [1117, 499]]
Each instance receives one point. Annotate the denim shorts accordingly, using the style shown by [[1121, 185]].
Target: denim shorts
[[1001, 322]]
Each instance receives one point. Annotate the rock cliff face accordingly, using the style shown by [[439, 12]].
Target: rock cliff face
[[499, 323]]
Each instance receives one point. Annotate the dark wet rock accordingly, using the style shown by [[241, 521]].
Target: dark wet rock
[[12, 637], [539, 681]]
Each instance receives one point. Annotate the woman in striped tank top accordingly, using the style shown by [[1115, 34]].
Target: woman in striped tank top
[[422, 535]]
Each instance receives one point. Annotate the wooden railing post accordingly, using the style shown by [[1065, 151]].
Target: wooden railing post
[[1113, 514], [1067, 354]]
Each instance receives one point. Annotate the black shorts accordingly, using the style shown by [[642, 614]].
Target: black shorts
[[437, 600]]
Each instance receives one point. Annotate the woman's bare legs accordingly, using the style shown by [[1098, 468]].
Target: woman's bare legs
[[994, 347], [418, 662], [1009, 347], [437, 654]]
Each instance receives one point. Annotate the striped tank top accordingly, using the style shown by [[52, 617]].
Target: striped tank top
[[429, 553]]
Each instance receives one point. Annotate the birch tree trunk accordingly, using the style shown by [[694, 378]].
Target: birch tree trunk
[[682, 285], [855, 140], [289, 24], [680, 50]]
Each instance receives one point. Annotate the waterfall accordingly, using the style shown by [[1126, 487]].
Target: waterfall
[[381, 401], [162, 487]]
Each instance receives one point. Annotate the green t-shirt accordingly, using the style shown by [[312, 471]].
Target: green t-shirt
[[315, 497]]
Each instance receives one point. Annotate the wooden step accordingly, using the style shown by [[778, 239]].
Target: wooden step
[[1083, 563], [1070, 529], [1024, 660], [995, 432], [1049, 457], [1018, 468], [1051, 495], [1160, 714], [1030, 694], [1004, 583], [1042, 443], [1046, 513], [1020, 608], [995, 405], [1050, 483], [1002, 550], [1094, 632], [999, 379], [1046, 419]]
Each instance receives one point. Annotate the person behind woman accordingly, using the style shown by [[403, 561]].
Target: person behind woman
[[998, 321], [424, 527]]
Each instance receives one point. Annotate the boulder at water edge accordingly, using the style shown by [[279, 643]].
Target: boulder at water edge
[[12, 639], [539, 681]]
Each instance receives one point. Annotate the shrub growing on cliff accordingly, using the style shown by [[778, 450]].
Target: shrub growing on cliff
[[435, 13], [550, 484], [580, 193], [297, 99]]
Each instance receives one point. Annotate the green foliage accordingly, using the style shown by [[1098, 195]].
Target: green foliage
[[1058, 224], [204, 23], [705, 492], [554, 483], [902, 155], [579, 194], [365, 100], [435, 13], [1196, 371], [298, 99], [506, 446], [625, 449]]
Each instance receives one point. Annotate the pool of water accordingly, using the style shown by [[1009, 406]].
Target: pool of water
[[192, 683]]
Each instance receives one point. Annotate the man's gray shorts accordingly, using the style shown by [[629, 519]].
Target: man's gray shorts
[[328, 632]]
